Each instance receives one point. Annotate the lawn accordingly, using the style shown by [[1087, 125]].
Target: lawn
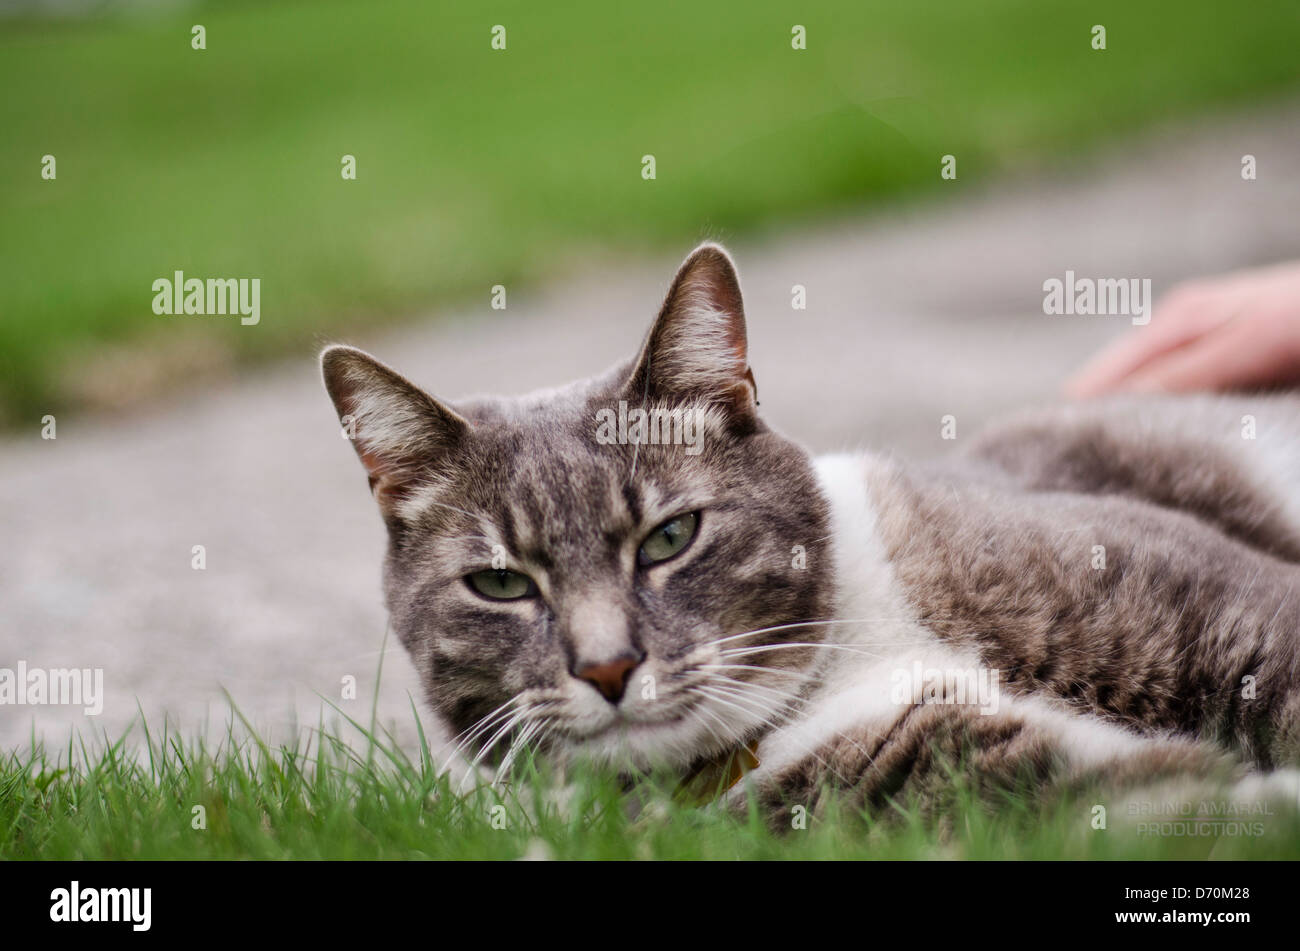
[[329, 799], [478, 166]]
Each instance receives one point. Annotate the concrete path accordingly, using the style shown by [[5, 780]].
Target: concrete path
[[912, 313]]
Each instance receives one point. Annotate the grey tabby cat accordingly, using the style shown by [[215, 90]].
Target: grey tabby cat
[[1096, 594]]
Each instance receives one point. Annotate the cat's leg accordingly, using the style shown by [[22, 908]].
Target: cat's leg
[[1231, 461], [931, 756]]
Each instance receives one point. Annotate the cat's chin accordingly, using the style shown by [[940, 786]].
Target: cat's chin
[[641, 745]]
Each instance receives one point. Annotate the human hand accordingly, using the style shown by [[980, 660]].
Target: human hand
[[1239, 330]]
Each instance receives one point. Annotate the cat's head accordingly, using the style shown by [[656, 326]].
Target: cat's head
[[584, 568]]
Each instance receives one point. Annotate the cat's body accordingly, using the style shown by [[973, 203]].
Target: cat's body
[[1124, 613], [1099, 593]]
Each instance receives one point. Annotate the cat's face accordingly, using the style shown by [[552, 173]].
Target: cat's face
[[566, 576]]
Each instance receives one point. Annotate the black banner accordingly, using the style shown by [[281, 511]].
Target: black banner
[[336, 899]]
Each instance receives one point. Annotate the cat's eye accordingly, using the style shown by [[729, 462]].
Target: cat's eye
[[668, 540], [502, 585]]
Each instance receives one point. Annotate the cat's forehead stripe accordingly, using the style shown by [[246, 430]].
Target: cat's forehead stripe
[[514, 528], [630, 496]]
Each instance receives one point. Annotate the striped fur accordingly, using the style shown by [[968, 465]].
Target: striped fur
[[835, 615]]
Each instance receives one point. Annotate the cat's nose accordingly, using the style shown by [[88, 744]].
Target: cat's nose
[[610, 677]]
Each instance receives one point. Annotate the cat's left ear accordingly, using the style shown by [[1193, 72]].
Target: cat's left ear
[[404, 437], [696, 349]]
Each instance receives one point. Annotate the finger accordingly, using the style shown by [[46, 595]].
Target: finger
[[1231, 358], [1173, 326]]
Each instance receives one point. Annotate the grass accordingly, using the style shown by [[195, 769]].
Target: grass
[[478, 167], [325, 798]]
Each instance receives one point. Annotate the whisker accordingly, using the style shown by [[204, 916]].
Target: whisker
[[728, 737], [808, 750], [851, 648], [714, 691], [772, 715], [511, 722], [805, 703], [478, 727], [519, 745], [785, 627], [767, 670], [750, 685], [721, 740]]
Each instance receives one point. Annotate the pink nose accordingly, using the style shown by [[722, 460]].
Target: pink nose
[[611, 677]]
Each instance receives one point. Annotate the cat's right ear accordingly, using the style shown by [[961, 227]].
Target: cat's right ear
[[696, 349], [405, 438]]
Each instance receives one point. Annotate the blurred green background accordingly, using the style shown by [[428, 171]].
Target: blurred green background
[[478, 167]]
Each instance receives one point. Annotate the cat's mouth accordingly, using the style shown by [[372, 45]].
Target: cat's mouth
[[621, 724], [674, 740]]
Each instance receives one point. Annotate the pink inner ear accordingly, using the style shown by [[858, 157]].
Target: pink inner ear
[[698, 344], [378, 473]]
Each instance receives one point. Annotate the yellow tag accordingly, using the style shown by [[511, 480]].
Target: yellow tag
[[716, 776]]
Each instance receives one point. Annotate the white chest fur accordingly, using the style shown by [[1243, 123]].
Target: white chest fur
[[876, 646]]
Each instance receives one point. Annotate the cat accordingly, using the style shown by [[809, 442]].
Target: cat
[[1100, 593]]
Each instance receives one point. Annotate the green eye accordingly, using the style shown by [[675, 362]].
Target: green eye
[[668, 540], [502, 585]]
